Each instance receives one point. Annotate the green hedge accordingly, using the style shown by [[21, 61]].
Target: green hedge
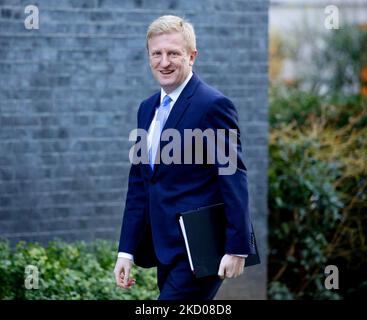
[[69, 271], [317, 195], [318, 169]]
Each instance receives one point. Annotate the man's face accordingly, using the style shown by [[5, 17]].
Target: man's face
[[170, 60]]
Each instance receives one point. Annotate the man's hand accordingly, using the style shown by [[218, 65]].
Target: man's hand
[[231, 266], [122, 273]]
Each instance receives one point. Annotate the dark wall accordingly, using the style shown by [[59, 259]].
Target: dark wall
[[69, 93]]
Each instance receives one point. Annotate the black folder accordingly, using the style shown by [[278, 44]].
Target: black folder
[[203, 230]]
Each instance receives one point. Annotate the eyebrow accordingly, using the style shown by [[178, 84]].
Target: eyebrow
[[168, 51]]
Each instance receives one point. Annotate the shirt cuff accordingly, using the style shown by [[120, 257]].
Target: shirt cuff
[[125, 255], [239, 255]]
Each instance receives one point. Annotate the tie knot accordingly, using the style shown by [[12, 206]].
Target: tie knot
[[166, 101]]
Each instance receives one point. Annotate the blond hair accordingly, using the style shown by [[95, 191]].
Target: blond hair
[[169, 24]]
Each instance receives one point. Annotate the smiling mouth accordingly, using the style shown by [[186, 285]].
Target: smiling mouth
[[166, 72]]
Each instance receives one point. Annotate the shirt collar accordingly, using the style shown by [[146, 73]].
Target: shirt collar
[[176, 93]]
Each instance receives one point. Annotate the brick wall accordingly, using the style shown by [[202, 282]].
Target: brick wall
[[69, 93]]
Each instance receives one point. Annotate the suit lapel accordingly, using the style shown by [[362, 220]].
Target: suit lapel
[[148, 114]]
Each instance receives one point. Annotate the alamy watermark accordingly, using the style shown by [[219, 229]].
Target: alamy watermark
[[31, 277], [210, 146], [332, 279], [32, 20], [332, 19]]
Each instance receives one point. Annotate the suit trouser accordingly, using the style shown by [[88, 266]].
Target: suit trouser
[[177, 282]]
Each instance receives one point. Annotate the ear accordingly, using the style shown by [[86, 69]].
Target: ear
[[192, 58]]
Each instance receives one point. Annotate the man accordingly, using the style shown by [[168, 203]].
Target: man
[[158, 192]]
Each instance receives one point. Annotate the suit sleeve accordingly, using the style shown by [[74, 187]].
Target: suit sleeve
[[222, 114], [134, 219]]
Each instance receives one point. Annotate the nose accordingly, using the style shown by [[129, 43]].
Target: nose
[[164, 61]]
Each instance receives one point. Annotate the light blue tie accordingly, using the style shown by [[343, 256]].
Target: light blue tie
[[161, 118]]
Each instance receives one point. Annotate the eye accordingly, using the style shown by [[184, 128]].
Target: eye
[[174, 53], [156, 54]]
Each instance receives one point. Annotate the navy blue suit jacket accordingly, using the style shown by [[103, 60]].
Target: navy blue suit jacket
[[150, 228]]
